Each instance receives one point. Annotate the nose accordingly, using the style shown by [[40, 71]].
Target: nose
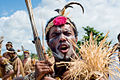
[[62, 38]]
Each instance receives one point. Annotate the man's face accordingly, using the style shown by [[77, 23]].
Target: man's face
[[26, 55], [60, 41], [8, 46]]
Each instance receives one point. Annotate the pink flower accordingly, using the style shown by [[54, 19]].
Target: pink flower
[[59, 20]]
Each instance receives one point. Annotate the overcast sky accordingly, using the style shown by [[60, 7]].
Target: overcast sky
[[103, 15]]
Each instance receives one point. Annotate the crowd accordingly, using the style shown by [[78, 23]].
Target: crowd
[[11, 66]]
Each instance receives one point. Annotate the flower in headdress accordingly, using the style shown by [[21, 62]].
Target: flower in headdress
[[59, 20]]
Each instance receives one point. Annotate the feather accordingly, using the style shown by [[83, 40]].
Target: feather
[[62, 11], [71, 3]]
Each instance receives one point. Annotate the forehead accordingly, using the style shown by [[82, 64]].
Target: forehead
[[65, 27]]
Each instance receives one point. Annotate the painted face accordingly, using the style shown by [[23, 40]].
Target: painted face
[[26, 55], [59, 41]]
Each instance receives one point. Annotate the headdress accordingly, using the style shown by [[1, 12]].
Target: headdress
[[26, 51], [61, 19]]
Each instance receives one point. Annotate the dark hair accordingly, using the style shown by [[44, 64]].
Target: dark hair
[[118, 36], [9, 43], [74, 29]]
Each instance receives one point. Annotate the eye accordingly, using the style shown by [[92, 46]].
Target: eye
[[55, 34], [67, 33]]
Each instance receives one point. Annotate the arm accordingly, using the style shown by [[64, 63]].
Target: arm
[[18, 68]]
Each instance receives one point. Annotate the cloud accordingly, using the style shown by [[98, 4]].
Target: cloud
[[103, 15]]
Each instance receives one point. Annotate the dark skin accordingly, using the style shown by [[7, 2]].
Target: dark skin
[[8, 46], [26, 56], [7, 75], [12, 55], [58, 36], [58, 39]]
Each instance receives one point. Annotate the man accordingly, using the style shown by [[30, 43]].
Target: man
[[16, 63], [60, 31], [28, 63], [9, 45], [58, 38], [6, 70]]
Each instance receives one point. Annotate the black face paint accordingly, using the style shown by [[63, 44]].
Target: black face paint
[[58, 41]]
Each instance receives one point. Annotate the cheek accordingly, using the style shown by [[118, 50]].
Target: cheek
[[52, 43], [72, 38]]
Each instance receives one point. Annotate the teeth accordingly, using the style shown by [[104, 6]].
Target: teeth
[[63, 46]]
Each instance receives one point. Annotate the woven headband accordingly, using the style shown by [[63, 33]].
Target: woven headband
[[60, 20]]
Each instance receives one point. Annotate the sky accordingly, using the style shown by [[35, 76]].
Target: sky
[[103, 15]]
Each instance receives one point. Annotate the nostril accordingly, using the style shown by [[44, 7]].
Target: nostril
[[62, 39]]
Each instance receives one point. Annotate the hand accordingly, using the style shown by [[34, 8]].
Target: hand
[[42, 68]]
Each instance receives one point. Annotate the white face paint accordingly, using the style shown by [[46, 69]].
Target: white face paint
[[59, 41], [60, 55]]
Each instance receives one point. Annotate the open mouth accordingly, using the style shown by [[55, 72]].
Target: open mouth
[[63, 48]]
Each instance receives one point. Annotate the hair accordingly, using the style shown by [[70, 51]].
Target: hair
[[118, 36], [74, 29], [9, 43]]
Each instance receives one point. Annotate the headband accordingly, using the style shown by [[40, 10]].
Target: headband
[[26, 52], [60, 20]]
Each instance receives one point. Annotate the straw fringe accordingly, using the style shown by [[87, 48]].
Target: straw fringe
[[95, 61]]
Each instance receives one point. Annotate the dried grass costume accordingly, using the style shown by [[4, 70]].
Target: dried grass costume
[[15, 62], [29, 66]]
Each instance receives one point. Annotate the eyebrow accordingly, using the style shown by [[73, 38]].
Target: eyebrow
[[55, 32]]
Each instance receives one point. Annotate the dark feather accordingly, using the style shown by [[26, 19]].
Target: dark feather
[[62, 11], [71, 3], [57, 10], [68, 6]]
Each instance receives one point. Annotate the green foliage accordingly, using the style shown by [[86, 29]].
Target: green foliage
[[95, 34], [21, 57], [33, 55]]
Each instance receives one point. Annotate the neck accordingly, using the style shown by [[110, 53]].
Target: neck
[[58, 60]]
